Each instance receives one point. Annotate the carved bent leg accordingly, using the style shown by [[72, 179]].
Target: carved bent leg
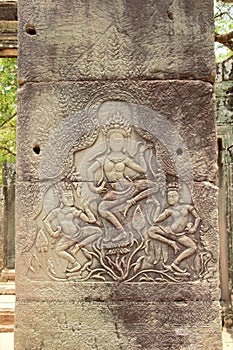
[[90, 235], [104, 211], [61, 250], [155, 232], [191, 248], [145, 193]]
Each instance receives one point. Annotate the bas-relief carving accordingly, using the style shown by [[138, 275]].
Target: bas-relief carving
[[118, 210], [121, 54]]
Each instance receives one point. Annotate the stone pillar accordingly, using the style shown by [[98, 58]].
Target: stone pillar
[[9, 212], [7, 223], [117, 239], [224, 98]]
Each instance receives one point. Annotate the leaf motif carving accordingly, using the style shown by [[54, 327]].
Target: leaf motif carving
[[138, 264], [138, 220], [42, 242]]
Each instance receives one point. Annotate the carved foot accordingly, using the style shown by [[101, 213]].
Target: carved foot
[[173, 267], [175, 247], [76, 267], [130, 203], [167, 267], [123, 235], [107, 239], [77, 248], [126, 209], [176, 268]]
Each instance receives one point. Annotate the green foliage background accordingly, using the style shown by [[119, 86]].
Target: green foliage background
[[8, 88], [223, 14]]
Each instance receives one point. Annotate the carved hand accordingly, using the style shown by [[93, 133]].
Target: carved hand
[[130, 203], [56, 233], [101, 188], [85, 203], [190, 228], [148, 145]]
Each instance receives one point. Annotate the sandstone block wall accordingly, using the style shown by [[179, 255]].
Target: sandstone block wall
[[117, 233], [223, 91]]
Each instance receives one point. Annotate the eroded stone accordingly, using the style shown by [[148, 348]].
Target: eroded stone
[[140, 325], [55, 117], [101, 40], [117, 243]]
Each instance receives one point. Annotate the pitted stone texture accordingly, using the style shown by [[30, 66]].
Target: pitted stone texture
[[83, 40], [64, 46], [70, 291], [131, 326], [185, 106]]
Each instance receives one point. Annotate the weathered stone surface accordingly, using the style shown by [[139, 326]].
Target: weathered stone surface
[[117, 238], [175, 105], [79, 40], [131, 326], [9, 213], [114, 292], [224, 97], [70, 110], [202, 284]]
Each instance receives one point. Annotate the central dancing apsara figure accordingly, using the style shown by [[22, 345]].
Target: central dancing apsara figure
[[117, 177]]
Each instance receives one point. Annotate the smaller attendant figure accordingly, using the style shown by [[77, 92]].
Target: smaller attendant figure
[[178, 221], [63, 222]]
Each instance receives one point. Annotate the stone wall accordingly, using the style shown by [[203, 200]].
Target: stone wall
[[224, 98], [7, 222], [9, 212], [117, 231]]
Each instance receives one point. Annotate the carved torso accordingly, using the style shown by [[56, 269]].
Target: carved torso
[[114, 168], [65, 218], [179, 217], [120, 226]]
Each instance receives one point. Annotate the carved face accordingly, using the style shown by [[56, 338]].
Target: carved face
[[172, 197], [116, 141], [68, 198]]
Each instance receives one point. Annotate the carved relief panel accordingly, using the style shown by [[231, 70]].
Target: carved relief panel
[[117, 202]]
